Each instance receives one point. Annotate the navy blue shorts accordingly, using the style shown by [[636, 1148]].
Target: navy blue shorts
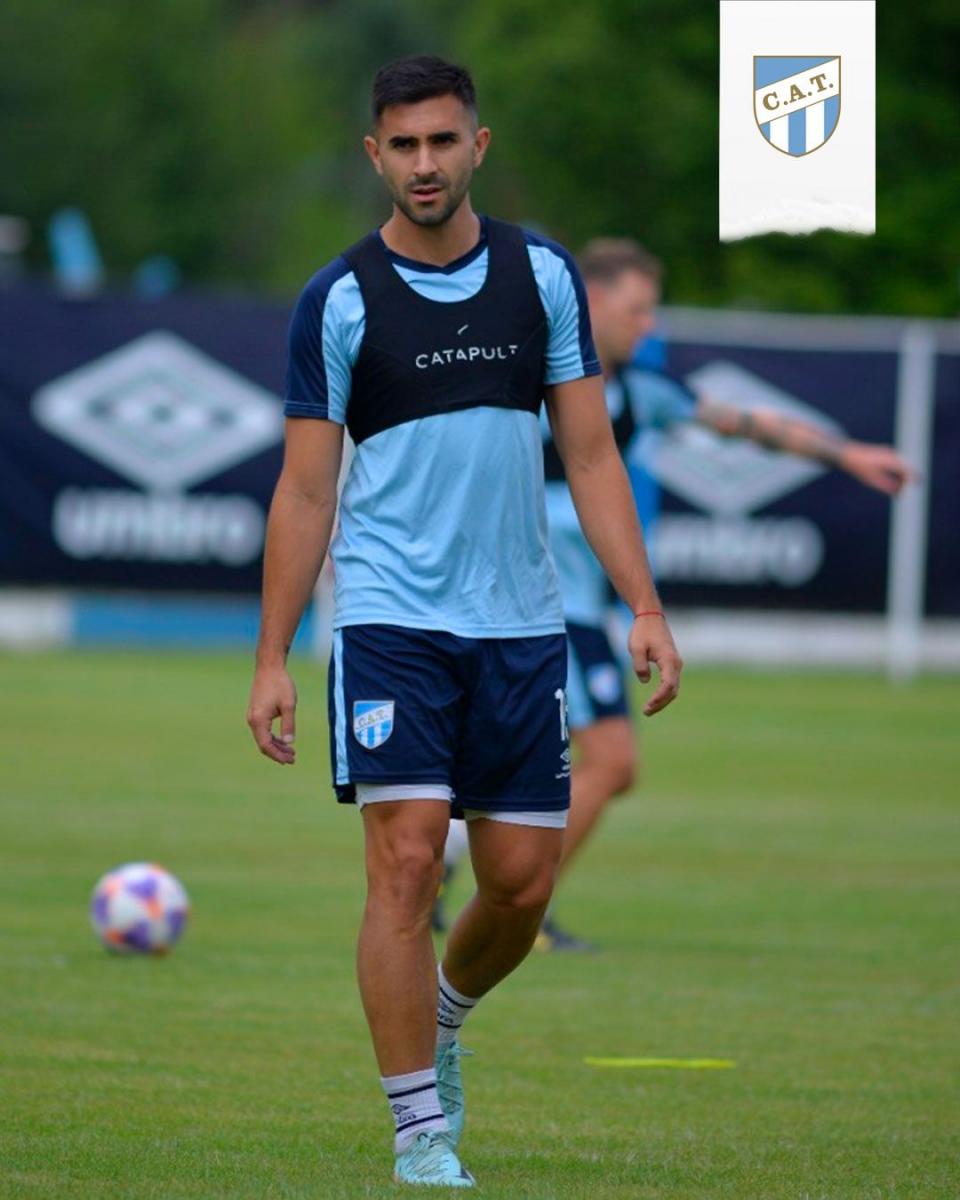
[[595, 684], [484, 716]]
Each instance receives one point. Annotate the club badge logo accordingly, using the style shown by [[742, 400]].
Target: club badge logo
[[796, 100], [372, 722], [604, 683]]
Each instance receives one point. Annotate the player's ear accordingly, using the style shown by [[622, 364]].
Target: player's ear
[[373, 152], [480, 143]]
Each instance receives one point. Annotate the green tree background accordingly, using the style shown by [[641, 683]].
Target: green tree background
[[226, 133]]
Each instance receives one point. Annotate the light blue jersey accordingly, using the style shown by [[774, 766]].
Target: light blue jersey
[[442, 519], [656, 401]]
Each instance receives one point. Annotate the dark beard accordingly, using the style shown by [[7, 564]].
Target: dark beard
[[432, 219]]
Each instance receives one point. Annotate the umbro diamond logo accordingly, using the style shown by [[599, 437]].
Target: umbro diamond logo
[[160, 412], [165, 416], [734, 477]]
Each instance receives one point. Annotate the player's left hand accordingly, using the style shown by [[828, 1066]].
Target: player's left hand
[[651, 641], [879, 467]]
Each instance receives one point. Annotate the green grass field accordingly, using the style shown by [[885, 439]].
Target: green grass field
[[782, 891]]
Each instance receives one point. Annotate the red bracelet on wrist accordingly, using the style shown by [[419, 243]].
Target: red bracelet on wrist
[[652, 612]]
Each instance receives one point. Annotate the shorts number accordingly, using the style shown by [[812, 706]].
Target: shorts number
[[561, 697]]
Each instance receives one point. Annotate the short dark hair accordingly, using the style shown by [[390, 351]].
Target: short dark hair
[[606, 259], [421, 77]]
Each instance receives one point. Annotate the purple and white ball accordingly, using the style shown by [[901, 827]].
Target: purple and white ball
[[139, 908]]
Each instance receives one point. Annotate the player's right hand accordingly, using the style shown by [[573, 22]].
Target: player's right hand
[[273, 695]]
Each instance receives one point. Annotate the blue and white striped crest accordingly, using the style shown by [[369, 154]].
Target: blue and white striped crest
[[372, 722], [796, 100]]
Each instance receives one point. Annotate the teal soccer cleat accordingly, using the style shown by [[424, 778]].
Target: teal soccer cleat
[[450, 1087], [430, 1161]]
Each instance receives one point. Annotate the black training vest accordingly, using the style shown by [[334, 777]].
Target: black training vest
[[422, 357], [624, 427]]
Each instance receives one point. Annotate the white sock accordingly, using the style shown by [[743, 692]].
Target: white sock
[[453, 1008], [415, 1105], [457, 844]]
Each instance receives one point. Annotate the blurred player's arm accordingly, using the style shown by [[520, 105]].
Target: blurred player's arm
[[608, 516], [878, 467], [298, 534]]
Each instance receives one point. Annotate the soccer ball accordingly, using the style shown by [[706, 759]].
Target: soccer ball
[[139, 908]]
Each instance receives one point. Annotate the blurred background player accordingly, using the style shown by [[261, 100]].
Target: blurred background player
[[623, 282]]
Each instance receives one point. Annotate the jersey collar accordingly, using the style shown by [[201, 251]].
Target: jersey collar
[[452, 267]]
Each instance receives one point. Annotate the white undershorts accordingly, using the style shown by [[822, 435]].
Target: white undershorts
[[378, 793]]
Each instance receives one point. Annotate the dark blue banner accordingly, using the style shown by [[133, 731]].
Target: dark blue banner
[[139, 440], [943, 544], [746, 527]]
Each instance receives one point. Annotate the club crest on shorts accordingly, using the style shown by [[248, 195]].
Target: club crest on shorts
[[796, 100], [604, 683], [372, 722]]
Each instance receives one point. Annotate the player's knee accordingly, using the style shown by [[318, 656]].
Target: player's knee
[[611, 753], [623, 770], [407, 874], [524, 892], [616, 773]]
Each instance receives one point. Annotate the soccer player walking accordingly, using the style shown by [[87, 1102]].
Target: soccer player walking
[[434, 340]]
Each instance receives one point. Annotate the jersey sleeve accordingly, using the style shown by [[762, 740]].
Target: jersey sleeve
[[659, 399], [325, 335], [570, 351]]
